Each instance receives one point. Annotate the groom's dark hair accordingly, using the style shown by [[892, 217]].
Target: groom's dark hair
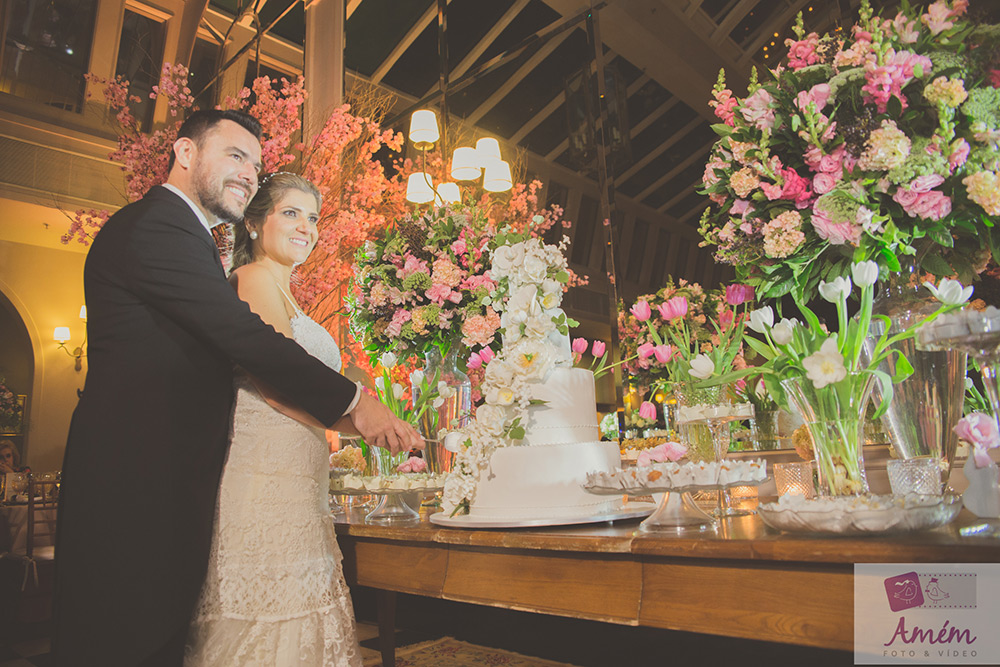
[[201, 121]]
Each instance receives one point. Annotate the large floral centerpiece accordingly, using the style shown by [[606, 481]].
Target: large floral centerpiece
[[861, 146], [530, 280], [11, 410], [824, 375], [426, 284]]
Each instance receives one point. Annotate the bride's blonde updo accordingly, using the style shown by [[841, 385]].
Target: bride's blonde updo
[[271, 191]]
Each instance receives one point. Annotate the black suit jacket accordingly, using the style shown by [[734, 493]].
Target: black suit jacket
[[149, 437]]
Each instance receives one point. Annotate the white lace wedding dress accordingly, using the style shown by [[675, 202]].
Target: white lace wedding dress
[[275, 592]]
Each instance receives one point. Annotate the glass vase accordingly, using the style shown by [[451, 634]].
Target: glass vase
[[453, 413], [764, 429], [926, 405], [835, 417], [696, 436]]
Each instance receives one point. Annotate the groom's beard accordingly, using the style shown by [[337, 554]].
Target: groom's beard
[[212, 195]]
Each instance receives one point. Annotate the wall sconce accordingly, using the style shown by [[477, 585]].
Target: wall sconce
[[467, 164], [61, 335]]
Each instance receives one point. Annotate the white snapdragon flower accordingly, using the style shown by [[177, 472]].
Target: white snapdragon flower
[[836, 290], [825, 366], [864, 273], [761, 319], [702, 367], [950, 292], [388, 360]]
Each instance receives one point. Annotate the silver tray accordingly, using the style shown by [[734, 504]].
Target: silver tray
[[386, 492], [631, 510], [871, 515]]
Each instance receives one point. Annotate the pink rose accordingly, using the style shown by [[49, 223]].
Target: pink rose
[[412, 464], [668, 451], [598, 348], [835, 233], [647, 410], [641, 310], [673, 308], [823, 183], [979, 430], [795, 188], [905, 197], [645, 350], [925, 183], [960, 151]]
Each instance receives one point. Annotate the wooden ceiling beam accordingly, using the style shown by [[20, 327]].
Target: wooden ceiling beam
[[684, 164], [656, 152], [429, 15]]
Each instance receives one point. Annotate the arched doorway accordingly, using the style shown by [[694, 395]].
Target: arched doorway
[[17, 365]]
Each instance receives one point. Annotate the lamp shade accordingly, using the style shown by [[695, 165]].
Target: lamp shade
[[83, 312], [424, 128], [465, 164], [419, 188], [488, 150], [497, 177], [449, 193], [61, 334]]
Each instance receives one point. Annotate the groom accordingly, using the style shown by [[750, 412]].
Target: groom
[[149, 437]]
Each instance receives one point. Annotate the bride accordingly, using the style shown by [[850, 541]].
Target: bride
[[275, 592]]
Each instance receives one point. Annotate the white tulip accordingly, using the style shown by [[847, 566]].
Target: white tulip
[[950, 292], [826, 366], [864, 273], [388, 360], [397, 390], [417, 378], [969, 384], [781, 333], [836, 290], [761, 319], [702, 367], [444, 391]]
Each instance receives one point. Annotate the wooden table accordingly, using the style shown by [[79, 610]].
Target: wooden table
[[743, 580]]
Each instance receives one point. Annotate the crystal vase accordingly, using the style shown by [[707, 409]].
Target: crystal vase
[[455, 409], [835, 417], [696, 436], [926, 405]]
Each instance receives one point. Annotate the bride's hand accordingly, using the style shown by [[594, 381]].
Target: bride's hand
[[378, 426]]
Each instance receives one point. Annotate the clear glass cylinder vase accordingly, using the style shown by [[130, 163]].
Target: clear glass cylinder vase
[[455, 408], [926, 405], [835, 417]]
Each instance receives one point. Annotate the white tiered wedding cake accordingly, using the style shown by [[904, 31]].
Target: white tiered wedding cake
[[526, 454]]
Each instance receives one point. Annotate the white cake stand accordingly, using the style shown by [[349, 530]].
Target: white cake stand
[[630, 510]]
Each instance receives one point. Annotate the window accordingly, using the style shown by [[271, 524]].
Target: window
[[46, 50], [140, 59], [204, 65]]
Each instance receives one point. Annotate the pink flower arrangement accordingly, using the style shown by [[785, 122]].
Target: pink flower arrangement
[[894, 124], [668, 451]]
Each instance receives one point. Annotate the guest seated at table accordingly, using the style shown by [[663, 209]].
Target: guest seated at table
[[10, 458]]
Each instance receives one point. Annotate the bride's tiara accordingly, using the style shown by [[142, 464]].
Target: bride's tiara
[[272, 175]]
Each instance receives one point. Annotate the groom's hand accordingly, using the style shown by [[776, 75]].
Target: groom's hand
[[378, 426]]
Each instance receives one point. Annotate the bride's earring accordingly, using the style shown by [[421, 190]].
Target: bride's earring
[[253, 234]]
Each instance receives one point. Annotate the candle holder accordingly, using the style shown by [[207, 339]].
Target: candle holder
[[796, 478]]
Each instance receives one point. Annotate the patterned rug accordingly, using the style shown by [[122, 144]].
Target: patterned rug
[[449, 652]]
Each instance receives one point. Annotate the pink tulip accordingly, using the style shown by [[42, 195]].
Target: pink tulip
[[486, 354], [675, 307], [979, 430], [646, 350], [738, 294], [580, 345], [598, 349], [647, 410], [475, 361], [663, 353], [641, 310]]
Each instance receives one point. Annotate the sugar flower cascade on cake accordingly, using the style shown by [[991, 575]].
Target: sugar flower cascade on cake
[[527, 451]]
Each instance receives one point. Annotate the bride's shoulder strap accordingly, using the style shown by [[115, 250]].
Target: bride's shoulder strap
[[289, 299]]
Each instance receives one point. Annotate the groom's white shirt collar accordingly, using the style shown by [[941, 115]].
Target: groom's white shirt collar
[[194, 207]]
